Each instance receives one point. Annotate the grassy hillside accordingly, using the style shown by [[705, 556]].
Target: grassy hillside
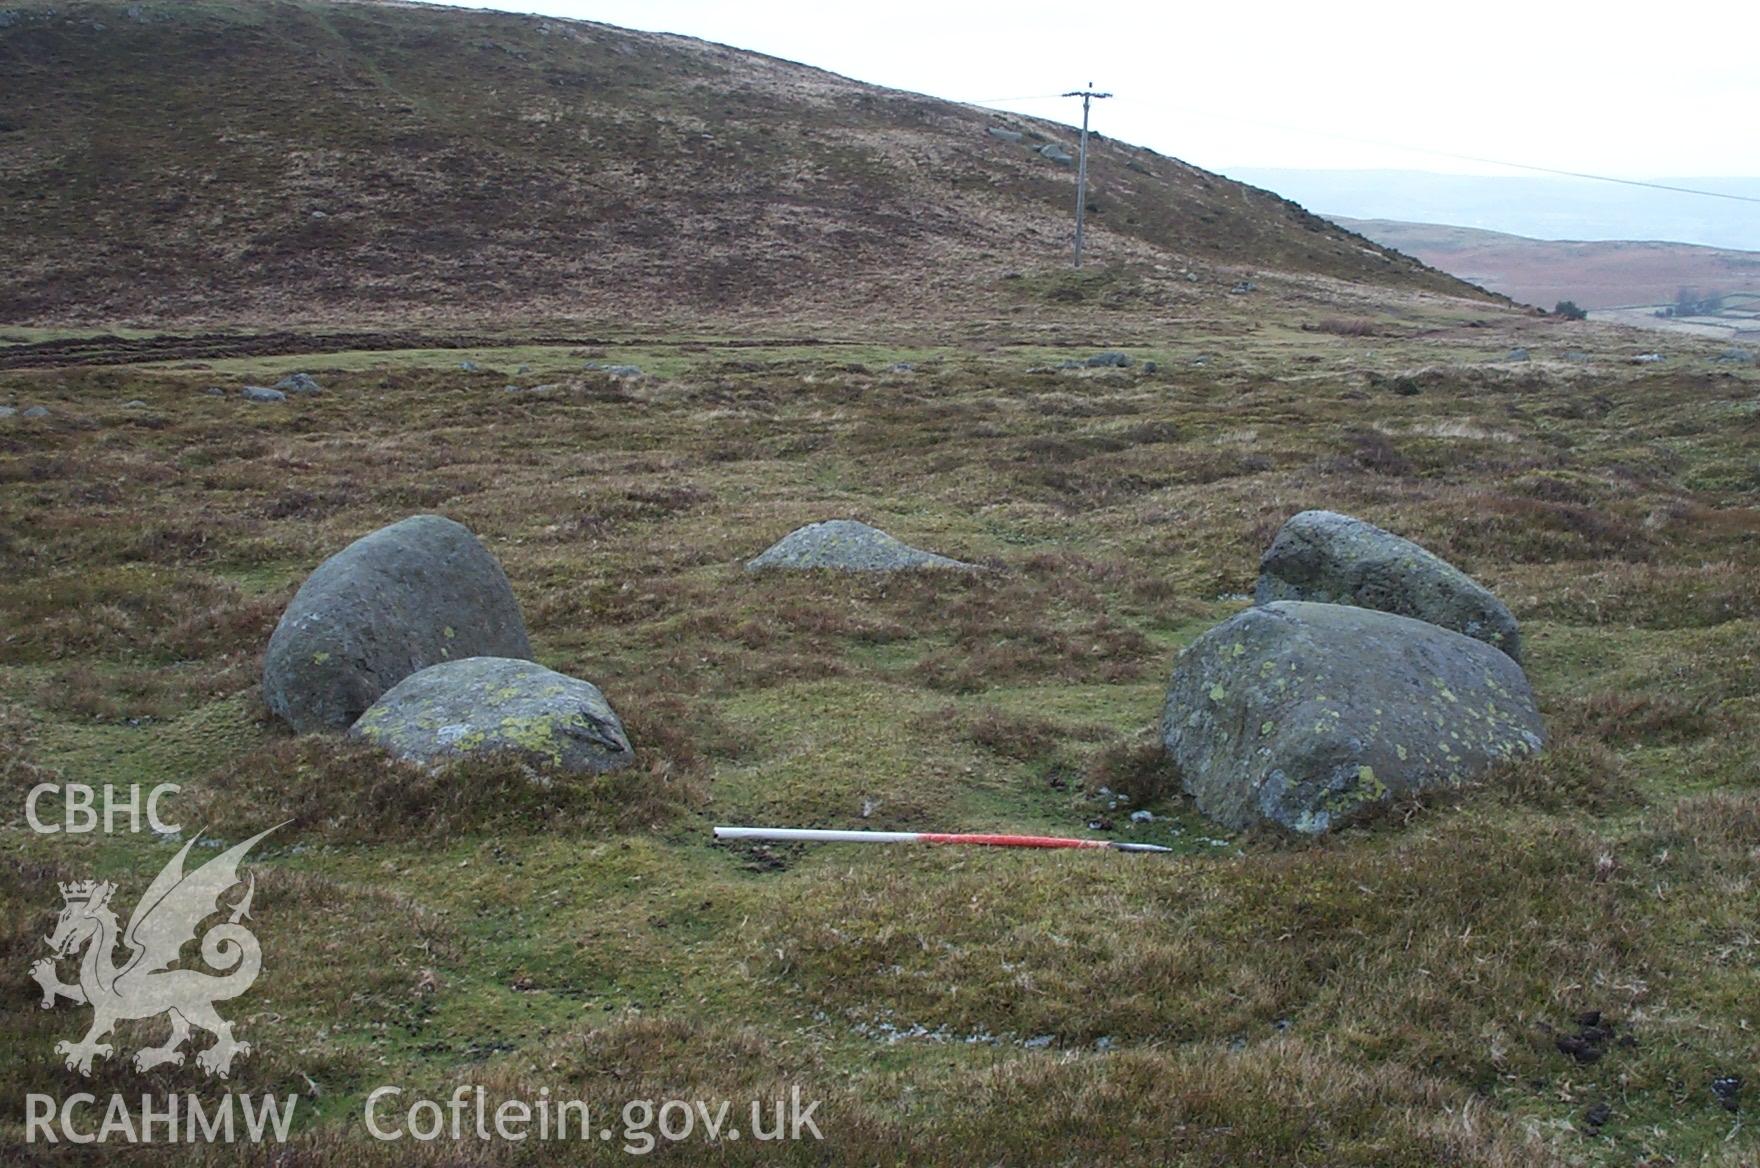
[[224, 160], [1395, 995], [1606, 274]]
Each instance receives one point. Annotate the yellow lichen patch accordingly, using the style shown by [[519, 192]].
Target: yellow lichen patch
[[535, 734]]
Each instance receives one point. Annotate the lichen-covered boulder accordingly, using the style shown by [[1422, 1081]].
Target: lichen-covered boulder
[[405, 597], [1336, 559], [849, 546], [481, 705], [1307, 714]]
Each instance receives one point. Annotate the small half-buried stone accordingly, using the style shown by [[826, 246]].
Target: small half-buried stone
[[483, 705], [847, 545], [297, 383]]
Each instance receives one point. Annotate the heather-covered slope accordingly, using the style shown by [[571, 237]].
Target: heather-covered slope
[[292, 160]]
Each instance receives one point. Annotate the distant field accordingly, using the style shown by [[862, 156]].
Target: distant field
[[1543, 272]]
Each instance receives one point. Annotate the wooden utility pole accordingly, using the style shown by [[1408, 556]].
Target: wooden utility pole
[[1087, 95]]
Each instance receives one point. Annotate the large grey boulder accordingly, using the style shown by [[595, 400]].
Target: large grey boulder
[[405, 597], [1305, 715], [1336, 559], [849, 546], [481, 705]]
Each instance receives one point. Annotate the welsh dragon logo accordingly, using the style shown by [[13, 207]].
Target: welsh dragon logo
[[143, 986]]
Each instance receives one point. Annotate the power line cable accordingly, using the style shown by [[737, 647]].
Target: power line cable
[[997, 100], [1582, 174], [1630, 182]]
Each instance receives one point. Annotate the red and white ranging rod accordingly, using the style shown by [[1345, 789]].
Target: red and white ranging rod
[[816, 835]]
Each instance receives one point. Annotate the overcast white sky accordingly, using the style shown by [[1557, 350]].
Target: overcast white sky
[[1611, 86]]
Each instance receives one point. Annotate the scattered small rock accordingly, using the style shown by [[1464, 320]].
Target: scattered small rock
[[214, 391], [135, 404], [1142, 817], [1039, 1041], [901, 367], [1242, 288], [1727, 1090], [1517, 354], [298, 383], [1646, 358], [1056, 154], [1597, 1115], [467, 366], [1735, 356], [615, 370], [1108, 359], [1576, 357], [1005, 135], [37, 412], [262, 393], [7, 411]]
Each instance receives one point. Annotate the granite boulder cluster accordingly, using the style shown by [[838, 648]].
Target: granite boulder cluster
[[411, 637], [1368, 668]]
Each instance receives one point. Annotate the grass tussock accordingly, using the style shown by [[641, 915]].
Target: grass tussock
[[345, 791]]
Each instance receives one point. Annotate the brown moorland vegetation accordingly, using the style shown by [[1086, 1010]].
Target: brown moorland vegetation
[[1393, 995]]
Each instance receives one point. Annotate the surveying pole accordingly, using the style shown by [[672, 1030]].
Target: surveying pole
[[1087, 95]]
